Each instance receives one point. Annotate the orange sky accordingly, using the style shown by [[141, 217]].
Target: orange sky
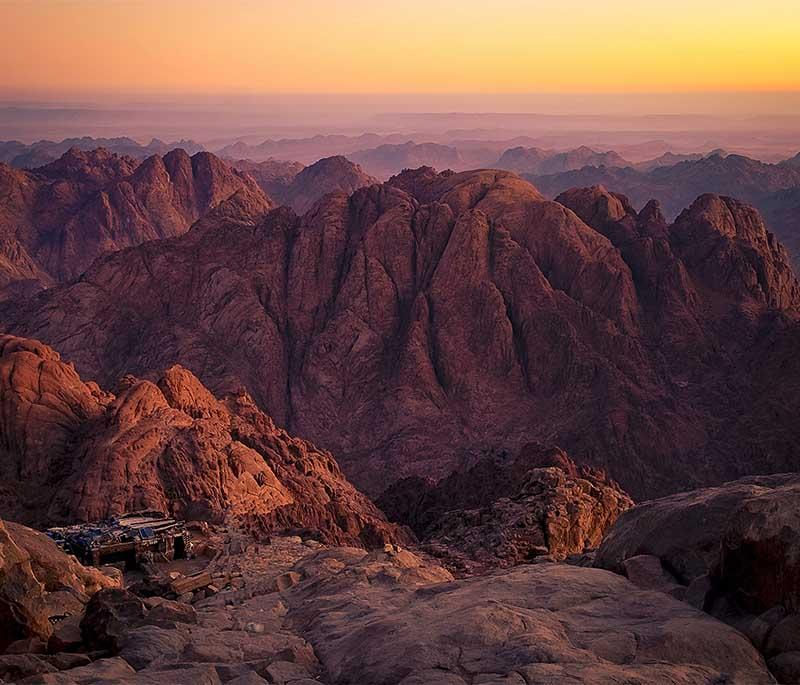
[[361, 46]]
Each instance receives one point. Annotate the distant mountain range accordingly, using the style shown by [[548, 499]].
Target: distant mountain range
[[772, 188], [55, 220], [43, 152]]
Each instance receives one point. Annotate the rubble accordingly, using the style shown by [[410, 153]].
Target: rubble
[[135, 539]]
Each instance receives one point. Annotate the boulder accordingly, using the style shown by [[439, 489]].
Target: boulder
[[110, 614], [152, 645], [167, 611], [645, 571], [744, 536]]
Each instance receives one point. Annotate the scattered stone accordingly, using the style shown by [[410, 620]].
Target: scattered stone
[[251, 678], [645, 571], [67, 636], [109, 616], [30, 645], [65, 661], [282, 672], [287, 580], [17, 666], [169, 611]]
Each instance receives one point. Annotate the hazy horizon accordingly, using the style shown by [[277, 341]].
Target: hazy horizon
[[703, 75]]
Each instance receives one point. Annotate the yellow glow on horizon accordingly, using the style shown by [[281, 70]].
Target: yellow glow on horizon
[[361, 46]]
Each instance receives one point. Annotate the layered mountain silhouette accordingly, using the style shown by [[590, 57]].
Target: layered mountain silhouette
[[55, 220], [537, 161], [409, 326], [30, 156], [387, 160], [764, 185]]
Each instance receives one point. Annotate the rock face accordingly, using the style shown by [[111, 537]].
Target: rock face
[[781, 211], [39, 582], [55, 220], [74, 452], [733, 550], [503, 511], [413, 326]]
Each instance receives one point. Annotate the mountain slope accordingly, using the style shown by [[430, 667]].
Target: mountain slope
[[72, 451], [55, 220], [411, 325]]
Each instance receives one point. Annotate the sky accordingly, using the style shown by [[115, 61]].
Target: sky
[[398, 46]]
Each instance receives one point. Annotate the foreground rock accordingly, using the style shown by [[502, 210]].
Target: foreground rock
[[76, 453], [733, 550], [505, 511], [398, 620], [39, 585], [389, 617]]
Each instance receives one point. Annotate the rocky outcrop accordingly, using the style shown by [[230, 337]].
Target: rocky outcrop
[[413, 326], [391, 617], [55, 220], [72, 451], [38, 582], [732, 550], [504, 511], [743, 537]]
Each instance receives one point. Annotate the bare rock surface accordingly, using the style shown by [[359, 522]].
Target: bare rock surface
[[392, 616], [74, 452], [744, 536]]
